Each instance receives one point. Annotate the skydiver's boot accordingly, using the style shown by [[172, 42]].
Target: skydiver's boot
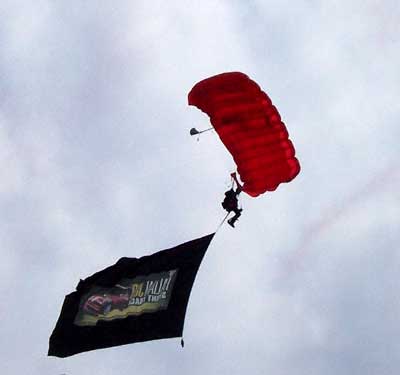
[[231, 222]]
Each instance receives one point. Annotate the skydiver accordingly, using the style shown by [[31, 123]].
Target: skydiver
[[230, 202]]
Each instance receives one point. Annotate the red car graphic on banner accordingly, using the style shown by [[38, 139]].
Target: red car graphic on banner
[[103, 303]]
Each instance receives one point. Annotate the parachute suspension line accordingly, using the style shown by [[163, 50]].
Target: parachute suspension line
[[239, 202], [233, 179]]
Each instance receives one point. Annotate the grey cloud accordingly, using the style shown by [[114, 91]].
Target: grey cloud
[[97, 164]]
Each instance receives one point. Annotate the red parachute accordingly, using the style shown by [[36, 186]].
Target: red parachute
[[250, 127]]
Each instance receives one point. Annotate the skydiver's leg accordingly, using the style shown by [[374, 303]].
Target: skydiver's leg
[[238, 213]]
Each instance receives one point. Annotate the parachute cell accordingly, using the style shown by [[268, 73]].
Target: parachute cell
[[250, 127]]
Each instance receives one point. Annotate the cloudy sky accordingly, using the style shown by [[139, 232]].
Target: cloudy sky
[[96, 163]]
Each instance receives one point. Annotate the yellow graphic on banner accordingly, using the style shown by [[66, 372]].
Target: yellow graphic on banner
[[143, 294]]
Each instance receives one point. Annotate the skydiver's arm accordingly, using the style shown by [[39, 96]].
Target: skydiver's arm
[[239, 187]]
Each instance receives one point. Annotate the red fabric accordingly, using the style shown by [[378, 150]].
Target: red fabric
[[251, 129]]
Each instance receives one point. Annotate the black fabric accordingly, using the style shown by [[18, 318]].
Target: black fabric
[[69, 338]]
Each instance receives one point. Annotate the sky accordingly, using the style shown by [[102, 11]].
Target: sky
[[96, 163]]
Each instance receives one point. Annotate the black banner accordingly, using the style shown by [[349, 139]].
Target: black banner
[[136, 299]]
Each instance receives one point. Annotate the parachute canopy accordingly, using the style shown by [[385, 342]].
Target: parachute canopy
[[250, 127]]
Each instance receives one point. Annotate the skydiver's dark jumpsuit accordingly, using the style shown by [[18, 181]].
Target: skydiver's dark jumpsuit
[[230, 204]]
